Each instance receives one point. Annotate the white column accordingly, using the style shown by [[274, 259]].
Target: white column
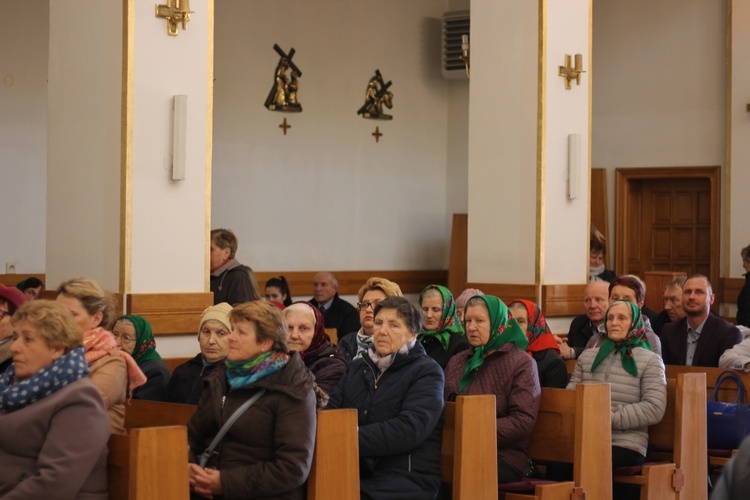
[[522, 227]]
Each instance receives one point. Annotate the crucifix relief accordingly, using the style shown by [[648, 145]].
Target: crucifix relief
[[570, 72]]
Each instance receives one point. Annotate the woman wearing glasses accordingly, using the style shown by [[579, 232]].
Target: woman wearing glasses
[[134, 336], [374, 291]]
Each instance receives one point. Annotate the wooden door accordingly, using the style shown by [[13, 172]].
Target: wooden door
[[668, 220]]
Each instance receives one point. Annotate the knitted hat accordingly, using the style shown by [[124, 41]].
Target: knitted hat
[[466, 295], [220, 313], [13, 296]]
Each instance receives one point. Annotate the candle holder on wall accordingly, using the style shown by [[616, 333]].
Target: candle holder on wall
[[377, 95], [174, 12], [283, 94]]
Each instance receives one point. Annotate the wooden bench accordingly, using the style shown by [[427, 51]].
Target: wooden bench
[[682, 430], [468, 453], [148, 463], [335, 467], [573, 427]]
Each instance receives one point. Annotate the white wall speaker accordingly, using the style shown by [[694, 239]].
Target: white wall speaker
[[574, 166], [179, 138]]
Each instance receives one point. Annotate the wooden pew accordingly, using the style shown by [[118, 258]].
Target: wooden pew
[[683, 429], [148, 463], [335, 466], [574, 427], [468, 453], [173, 363]]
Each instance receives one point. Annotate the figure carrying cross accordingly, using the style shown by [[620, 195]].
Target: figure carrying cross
[[377, 95], [283, 95]]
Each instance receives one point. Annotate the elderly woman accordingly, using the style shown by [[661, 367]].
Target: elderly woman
[[498, 364], [277, 290], [267, 452], [542, 344], [374, 291], [628, 287], [110, 369], [307, 335], [134, 336], [636, 376], [53, 425], [11, 298], [397, 391], [186, 383], [462, 299], [442, 335]]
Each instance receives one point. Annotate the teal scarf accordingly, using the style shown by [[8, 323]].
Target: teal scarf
[[243, 373], [504, 329], [449, 322], [636, 337]]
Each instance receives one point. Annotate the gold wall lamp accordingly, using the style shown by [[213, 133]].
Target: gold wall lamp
[[174, 12], [570, 72]]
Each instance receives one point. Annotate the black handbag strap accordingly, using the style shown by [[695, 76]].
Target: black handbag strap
[[206, 455], [723, 377]]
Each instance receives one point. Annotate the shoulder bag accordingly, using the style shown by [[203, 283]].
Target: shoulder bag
[[728, 423]]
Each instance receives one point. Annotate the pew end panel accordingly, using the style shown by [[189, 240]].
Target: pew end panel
[[555, 491], [335, 466], [148, 463]]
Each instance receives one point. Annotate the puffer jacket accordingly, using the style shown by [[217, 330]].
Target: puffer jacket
[[638, 402], [267, 453], [400, 416], [327, 364]]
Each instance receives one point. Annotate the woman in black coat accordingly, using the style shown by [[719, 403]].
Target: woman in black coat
[[398, 393]]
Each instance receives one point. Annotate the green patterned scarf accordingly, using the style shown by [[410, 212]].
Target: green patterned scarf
[[145, 345], [636, 337], [243, 373], [503, 330], [449, 322]]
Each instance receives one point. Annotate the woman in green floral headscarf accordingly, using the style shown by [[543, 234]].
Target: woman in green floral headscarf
[[637, 381], [442, 335], [498, 364], [134, 336]]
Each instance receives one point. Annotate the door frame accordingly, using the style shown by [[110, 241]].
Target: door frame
[[624, 177]]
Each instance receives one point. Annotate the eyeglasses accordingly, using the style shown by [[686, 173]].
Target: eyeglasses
[[3, 314], [364, 305], [125, 339]]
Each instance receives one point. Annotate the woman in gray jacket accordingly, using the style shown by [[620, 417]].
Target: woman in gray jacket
[[637, 381]]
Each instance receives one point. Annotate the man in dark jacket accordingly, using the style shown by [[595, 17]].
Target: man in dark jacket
[[230, 281], [11, 299], [700, 338], [337, 313], [596, 302], [186, 383]]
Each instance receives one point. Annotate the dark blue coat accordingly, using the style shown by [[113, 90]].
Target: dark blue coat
[[400, 415]]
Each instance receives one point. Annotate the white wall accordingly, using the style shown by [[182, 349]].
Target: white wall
[[659, 85], [326, 195], [24, 37], [83, 174]]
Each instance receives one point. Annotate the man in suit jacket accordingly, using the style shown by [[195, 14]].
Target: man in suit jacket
[[700, 338], [337, 313]]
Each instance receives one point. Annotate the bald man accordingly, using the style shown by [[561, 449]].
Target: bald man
[[583, 327], [337, 313]]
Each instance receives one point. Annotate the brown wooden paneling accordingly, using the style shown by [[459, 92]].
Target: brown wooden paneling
[[458, 265], [14, 279], [598, 207], [507, 292], [656, 283], [729, 289], [170, 313], [300, 282], [563, 300]]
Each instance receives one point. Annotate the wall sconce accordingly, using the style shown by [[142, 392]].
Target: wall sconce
[[574, 166], [570, 72], [179, 137], [174, 12], [465, 52]]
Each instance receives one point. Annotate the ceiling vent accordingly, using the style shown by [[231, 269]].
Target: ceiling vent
[[455, 25]]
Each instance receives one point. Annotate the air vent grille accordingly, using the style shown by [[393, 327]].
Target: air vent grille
[[455, 25]]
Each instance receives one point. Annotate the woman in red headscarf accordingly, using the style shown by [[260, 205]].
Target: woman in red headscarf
[[542, 345], [306, 334]]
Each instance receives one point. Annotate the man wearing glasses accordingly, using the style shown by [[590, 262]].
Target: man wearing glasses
[[10, 299]]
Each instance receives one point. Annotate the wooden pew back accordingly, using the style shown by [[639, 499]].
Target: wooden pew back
[[173, 363], [141, 413], [335, 466], [148, 463], [728, 389], [468, 453]]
